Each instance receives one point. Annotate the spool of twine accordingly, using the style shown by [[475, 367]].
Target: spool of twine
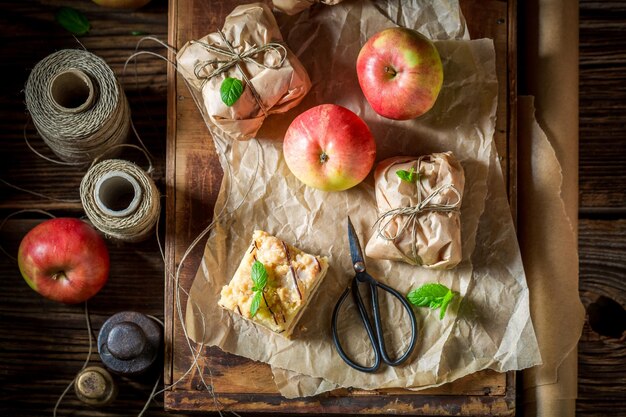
[[77, 105], [120, 200]]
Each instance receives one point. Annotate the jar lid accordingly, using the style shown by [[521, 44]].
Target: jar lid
[[129, 342], [95, 386]]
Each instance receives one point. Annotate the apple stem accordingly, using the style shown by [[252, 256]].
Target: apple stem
[[323, 157], [59, 275], [391, 71]]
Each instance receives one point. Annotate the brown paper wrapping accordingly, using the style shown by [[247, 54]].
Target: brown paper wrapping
[[550, 389], [488, 327], [432, 237], [278, 86], [296, 6], [549, 150]]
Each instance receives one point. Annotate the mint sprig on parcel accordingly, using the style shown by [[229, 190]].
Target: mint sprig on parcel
[[433, 296], [259, 278], [408, 176], [230, 90]]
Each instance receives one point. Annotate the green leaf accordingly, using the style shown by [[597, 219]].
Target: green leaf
[[408, 176], [256, 303], [444, 304], [231, 90], [433, 296], [138, 33], [259, 276], [430, 295], [73, 21]]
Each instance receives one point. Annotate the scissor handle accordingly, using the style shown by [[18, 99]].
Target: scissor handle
[[374, 285], [376, 339], [368, 329]]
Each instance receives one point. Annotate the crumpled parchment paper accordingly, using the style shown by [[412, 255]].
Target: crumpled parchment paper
[[489, 327], [277, 80]]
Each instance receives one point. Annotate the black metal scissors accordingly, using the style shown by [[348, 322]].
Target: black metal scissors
[[374, 332]]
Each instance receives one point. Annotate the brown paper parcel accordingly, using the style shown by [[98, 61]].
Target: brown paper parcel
[[419, 222], [488, 327], [250, 48]]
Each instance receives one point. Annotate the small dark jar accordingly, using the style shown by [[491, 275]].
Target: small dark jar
[[129, 343]]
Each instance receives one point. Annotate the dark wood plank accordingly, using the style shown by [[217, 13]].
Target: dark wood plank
[[194, 176], [602, 228], [602, 357], [603, 106]]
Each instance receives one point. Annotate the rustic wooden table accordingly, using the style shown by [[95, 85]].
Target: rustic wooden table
[[43, 344]]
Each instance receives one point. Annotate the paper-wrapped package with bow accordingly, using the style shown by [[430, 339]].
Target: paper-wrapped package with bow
[[250, 49], [419, 201], [296, 6]]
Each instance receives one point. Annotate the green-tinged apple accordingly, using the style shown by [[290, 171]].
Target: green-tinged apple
[[64, 259], [122, 4], [329, 147], [400, 73]]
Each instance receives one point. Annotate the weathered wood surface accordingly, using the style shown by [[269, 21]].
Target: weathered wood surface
[[602, 107], [43, 344], [194, 173], [602, 227]]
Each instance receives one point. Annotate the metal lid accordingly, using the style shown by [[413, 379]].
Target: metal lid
[[95, 386], [129, 342]]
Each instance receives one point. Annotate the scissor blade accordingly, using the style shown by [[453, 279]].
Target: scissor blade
[[358, 262]]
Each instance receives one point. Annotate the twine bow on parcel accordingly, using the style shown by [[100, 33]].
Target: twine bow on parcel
[[413, 212], [234, 59]]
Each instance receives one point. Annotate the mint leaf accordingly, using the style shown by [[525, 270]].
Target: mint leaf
[[230, 90], [444, 304], [73, 21], [428, 295], [433, 296], [259, 276], [256, 303], [408, 176]]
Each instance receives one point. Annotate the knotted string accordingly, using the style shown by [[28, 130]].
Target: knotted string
[[234, 59], [413, 212]]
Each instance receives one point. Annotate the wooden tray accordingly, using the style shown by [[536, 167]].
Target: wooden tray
[[193, 177]]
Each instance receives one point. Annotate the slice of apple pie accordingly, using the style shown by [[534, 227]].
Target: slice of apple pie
[[274, 283]]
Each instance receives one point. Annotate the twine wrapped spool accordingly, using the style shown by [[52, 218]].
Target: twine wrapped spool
[[120, 200], [77, 105]]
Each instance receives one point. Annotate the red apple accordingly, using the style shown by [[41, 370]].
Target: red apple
[[400, 73], [122, 4], [64, 260], [329, 147]]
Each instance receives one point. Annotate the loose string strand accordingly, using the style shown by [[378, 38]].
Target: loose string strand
[[15, 213], [69, 386], [37, 194], [133, 57], [178, 288], [145, 152]]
